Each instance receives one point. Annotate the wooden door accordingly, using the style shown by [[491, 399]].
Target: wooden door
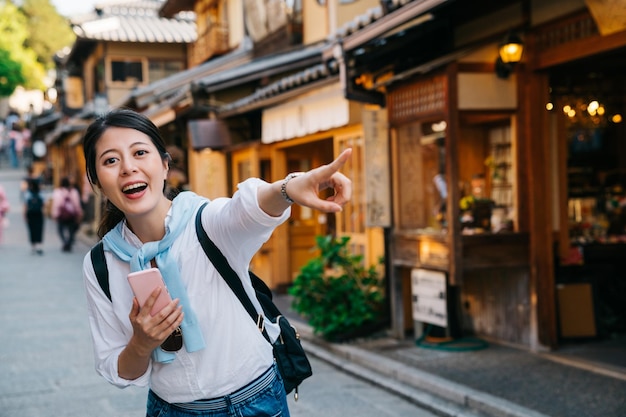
[[305, 223], [247, 163]]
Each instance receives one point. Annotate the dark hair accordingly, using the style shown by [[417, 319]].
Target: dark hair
[[33, 186], [124, 118], [65, 182]]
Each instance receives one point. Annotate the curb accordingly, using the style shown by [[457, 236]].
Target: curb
[[438, 395]]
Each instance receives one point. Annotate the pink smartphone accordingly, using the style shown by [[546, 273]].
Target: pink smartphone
[[144, 282]]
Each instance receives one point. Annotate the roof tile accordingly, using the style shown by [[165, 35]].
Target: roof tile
[[133, 21]]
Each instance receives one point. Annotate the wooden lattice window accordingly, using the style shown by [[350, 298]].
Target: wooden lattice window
[[578, 27], [418, 100]]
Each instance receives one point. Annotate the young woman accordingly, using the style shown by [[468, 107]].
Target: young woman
[[33, 215], [225, 367], [67, 211]]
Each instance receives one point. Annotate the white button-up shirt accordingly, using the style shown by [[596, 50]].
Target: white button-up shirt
[[236, 352]]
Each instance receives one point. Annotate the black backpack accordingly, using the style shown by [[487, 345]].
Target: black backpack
[[34, 202]]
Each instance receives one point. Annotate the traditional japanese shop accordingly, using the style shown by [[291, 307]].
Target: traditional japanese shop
[[586, 106], [509, 188]]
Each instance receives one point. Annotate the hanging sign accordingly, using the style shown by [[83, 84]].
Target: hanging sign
[[377, 189]]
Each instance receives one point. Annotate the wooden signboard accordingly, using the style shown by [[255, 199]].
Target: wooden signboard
[[377, 190]]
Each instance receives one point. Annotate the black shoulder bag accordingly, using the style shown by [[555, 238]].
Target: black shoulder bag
[[293, 364]]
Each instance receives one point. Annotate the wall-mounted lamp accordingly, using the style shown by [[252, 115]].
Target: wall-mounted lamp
[[509, 53]]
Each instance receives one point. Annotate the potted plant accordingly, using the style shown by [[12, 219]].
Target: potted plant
[[340, 297]]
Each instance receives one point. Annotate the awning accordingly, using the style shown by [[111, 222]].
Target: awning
[[267, 66], [47, 119], [64, 129], [165, 112], [323, 109], [282, 90], [424, 68]]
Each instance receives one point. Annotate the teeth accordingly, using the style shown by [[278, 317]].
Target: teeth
[[133, 186]]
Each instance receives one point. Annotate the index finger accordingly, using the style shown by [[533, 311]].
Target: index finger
[[339, 161]]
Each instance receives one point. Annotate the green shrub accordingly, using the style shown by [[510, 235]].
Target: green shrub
[[340, 298]]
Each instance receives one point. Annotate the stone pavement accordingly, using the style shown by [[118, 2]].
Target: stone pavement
[[46, 359], [496, 381]]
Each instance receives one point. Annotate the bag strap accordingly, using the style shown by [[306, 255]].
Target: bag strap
[[220, 262], [99, 263]]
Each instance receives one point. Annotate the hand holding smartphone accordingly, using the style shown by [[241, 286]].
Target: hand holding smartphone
[[144, 282]]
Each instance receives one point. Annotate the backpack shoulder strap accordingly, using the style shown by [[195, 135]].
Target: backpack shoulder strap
[[99, 263], [220, 262]]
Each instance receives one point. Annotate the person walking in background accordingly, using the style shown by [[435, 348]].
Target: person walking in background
[[4, 209], [213, 371], [67, 211], [33, 215], [30, 176], [14, 136]]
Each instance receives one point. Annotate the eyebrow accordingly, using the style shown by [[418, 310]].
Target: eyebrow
[[115, 150]]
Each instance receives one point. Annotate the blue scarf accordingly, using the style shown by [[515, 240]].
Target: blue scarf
[[183, 208]]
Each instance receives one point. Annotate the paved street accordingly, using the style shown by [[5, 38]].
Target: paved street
[[46, 361]]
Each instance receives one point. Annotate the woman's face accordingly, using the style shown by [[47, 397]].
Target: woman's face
[[130, 170]]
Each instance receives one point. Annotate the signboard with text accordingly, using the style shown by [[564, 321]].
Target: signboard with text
[[428, 289], [377, 188]]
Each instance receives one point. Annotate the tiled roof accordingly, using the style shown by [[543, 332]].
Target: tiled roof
[[294, 82], [370, 16], [266, 65], [166, 87], [133, 21], [316, 72], [358, 23]]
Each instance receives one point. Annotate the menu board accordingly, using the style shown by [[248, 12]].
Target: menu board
[[428, 289]]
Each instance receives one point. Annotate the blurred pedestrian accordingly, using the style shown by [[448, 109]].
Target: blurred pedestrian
[[4, 209], [23, 147], [14, 137], [67, 211], [33, 215], [30, 176]]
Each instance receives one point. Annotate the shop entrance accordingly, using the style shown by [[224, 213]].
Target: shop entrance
[[588, 104], [305, 223]]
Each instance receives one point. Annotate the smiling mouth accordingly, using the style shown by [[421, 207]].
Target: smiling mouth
[[135, 188]]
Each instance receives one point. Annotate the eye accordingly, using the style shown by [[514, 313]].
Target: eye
[[141, 152], [110, 161]]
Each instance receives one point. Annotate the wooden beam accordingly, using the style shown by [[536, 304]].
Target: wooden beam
[[542, 280], [452, 175]]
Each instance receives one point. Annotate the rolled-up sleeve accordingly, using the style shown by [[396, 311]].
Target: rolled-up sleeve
[[109, 335], [238, 225]]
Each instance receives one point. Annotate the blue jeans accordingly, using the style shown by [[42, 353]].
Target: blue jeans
[[264, 398], [15, 163]]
